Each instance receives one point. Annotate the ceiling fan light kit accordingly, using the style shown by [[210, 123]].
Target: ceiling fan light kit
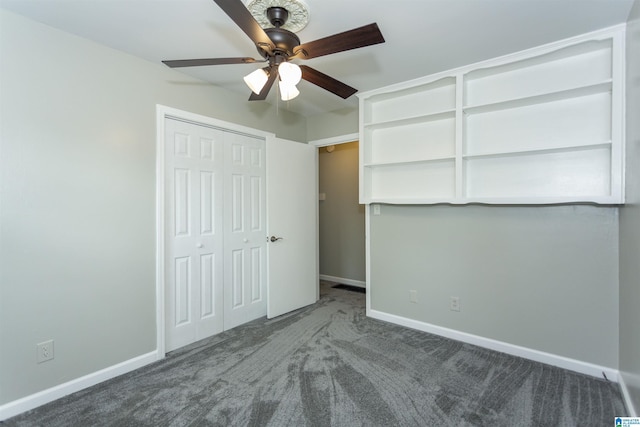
[[287, 91], [270, 24], [290, 73], [256, 80]]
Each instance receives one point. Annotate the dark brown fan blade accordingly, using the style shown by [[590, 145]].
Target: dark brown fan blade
[[352, 39], [273, 75], [245, 20], [207, 61], [327, 82]]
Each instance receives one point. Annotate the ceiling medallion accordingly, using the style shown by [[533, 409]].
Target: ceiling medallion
[[298, 13]]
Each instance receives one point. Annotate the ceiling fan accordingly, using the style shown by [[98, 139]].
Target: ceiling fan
[[278, 46]]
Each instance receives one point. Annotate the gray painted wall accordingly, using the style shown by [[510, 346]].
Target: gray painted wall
[[342, 244], [77, 241], [630, 222], [545, 278], [334, 123]]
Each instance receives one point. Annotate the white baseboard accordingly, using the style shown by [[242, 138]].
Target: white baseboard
[[27, 403], [627, 396], [515, 350], [342, 280]]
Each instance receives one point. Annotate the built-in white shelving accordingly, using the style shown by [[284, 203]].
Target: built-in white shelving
[[541, 126]]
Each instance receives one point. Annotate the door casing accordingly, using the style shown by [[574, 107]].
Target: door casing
[[344, 139]]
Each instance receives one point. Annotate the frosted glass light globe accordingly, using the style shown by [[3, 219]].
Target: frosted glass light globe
[[256, 80], [289, 73], [288, 91]]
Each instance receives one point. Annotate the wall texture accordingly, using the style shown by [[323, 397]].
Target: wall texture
[[77, 197], [335, 123], [630, 222], [342, 245], [544, 278]]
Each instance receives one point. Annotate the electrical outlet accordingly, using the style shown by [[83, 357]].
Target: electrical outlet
[[413, 296], [455, 304], [44, 351]]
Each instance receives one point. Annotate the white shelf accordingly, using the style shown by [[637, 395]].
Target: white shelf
[[409, 140], [556, 55], [570, 173], [576, 65], [573, 147], [561, 95], [410, 162], [421, 100], [404, 181], [540, 127], [442, 115]]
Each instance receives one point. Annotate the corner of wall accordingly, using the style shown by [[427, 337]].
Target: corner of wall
[[629, 260]]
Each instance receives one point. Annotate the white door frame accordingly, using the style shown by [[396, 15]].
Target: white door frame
[[163, 112], [344, 139]]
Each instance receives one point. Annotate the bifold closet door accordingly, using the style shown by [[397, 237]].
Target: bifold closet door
[[194, 240], [245, 271]]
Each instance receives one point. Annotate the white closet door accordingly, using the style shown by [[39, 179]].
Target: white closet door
[[244, 230], [194, 241]]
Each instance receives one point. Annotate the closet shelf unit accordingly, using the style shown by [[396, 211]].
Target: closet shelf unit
[[537, 127]]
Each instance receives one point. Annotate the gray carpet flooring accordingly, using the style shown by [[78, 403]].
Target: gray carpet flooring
[[329, 365]]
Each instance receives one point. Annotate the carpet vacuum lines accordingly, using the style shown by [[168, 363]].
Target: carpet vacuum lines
[[329, 365]]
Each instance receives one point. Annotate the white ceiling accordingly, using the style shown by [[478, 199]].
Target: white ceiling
[[422, 36]]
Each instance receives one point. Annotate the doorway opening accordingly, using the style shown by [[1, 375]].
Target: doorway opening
[[341, 217]]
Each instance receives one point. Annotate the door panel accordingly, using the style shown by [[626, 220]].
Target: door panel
[[207, 202], [182, 191], [292, 210], [245, 230], [193, 257], [183, 291], [257, 283], [207, 285]]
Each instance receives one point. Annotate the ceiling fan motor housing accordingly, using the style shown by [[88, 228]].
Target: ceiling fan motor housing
[[284, 40], [277, 16]]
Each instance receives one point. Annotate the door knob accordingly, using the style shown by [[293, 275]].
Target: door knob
[[199, 245], [275, 239], [245, 240]]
